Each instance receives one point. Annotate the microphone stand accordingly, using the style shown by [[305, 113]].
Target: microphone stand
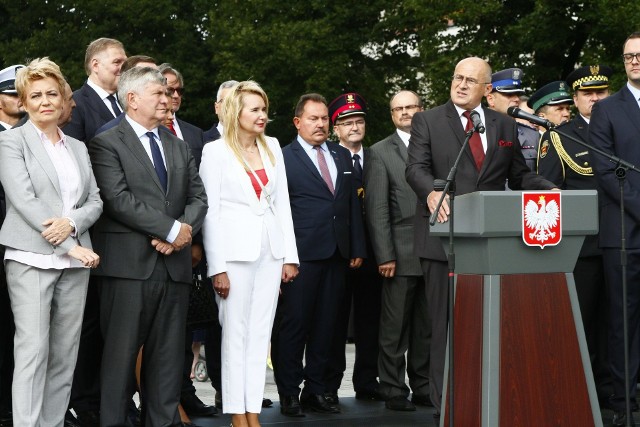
[[449, 187], [622, 167]]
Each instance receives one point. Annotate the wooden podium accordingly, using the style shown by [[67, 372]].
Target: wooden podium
[[521, 357]]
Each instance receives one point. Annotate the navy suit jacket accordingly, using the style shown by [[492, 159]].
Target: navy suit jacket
[[194, 137], [212, 134], [324, 222], [615, 128], [88, 116]]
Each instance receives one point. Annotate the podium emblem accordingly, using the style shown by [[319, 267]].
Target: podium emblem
[[541, 218]]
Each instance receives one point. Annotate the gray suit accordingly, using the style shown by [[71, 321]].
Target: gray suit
[[144, 295], [47, 303], [391, 204]]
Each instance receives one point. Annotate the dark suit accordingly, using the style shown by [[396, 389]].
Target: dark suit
[[614, 128], [436, 138], [362, 289], [212, 134], [404, 323], [329, 232], [88, 116], [568, 165], [144, 295], [193, 136]]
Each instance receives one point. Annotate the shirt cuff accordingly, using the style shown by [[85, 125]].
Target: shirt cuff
[[174, 232], [72, 223]]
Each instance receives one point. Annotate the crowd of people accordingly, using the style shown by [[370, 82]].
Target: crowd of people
[[111, 205]]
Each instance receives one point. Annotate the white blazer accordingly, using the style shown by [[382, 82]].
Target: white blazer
[[232, 229]]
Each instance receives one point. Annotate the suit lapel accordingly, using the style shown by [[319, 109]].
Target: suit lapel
[[297, 149], [458, 131], [132, 142], [631, 107], [168, 147], [34, 144], [399, 147], [492, 140], [96, 103], [340, 167]]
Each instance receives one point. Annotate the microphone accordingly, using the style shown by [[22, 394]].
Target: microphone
[[518, 113], [477, 122]]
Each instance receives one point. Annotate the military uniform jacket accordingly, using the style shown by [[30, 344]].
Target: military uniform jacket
[[568, 165]]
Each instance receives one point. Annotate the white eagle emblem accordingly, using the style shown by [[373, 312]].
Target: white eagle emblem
[[540, 220]]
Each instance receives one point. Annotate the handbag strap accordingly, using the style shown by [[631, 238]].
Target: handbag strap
[[266, 193]]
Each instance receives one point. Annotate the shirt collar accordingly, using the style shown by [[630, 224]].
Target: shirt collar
[[404, 136], [43, 136], [139, 129], [308, 147], [103, 94]]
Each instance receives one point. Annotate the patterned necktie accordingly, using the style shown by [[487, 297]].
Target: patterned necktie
[[357, 170], [158, 164], [324, 169], [475, 143], [114, 105], [171, 128]]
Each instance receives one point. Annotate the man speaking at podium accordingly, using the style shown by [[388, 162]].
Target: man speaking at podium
[[490, 159]]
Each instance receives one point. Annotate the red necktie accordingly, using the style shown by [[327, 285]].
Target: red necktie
[[324, 169], [172, 129], [475, 143]]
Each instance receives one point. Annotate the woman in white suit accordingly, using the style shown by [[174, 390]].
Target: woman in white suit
[[52, 200], [249, 243]]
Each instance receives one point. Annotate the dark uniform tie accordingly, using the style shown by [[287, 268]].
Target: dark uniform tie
[[114, 105], [158, 164]]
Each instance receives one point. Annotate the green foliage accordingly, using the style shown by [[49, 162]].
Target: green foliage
[[373, 47]]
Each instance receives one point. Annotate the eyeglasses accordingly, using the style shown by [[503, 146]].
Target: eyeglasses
[[406, 107], [628, 57], [178, 90], [471, 82], [351, 123]]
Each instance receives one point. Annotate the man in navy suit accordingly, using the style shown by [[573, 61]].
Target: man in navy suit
[[96, 104], [216, 130], [614, 128], [327, 220], [96, 100]]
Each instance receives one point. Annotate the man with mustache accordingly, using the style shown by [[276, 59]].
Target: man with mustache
[[327, 220]]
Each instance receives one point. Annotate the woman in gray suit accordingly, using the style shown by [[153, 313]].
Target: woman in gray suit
[[52, 200]]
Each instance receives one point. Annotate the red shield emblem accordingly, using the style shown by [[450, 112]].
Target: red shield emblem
[[541, 218]]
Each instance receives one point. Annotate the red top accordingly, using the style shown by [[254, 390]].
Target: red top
[[263, 177]]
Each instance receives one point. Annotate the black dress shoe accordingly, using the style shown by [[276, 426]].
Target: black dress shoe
[[317, 402], [332, 398], [399, 403], [88, 418], [620, 418], [267, 403], [6, 419], [421, 400], [290, 406], [195, 408], [370, 395]]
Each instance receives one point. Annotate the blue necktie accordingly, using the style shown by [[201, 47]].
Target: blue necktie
[[114, 105], [158, 164]]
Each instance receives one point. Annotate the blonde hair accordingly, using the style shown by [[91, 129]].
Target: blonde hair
[[231, 109], [38, 69]]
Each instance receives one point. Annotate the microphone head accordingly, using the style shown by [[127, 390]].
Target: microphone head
[[513, 111]]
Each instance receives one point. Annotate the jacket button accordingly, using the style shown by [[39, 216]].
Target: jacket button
[[167, 203]]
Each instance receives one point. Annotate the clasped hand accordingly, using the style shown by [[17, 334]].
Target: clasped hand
[[182, 239], [57, 231]]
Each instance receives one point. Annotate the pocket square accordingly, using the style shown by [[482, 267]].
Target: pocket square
[[503, 143], [346, 172]]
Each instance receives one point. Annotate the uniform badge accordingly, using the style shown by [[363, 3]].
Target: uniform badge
[[544, 149], [516, 74], [361, 193], [595, 69], [541, 218], [350, 99]]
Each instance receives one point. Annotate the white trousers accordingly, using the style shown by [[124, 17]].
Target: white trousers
[[48, 306], [246, 317]]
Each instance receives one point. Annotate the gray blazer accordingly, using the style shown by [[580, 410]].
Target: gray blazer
[[390, 205], [136, 208], [33, 194]]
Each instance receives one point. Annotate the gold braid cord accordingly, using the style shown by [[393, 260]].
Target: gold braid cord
[[557, 144]]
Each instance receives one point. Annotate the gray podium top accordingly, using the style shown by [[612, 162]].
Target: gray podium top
[[488, 233]]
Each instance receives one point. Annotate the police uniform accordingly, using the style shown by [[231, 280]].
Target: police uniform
[[509, 81], [567, 164]]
